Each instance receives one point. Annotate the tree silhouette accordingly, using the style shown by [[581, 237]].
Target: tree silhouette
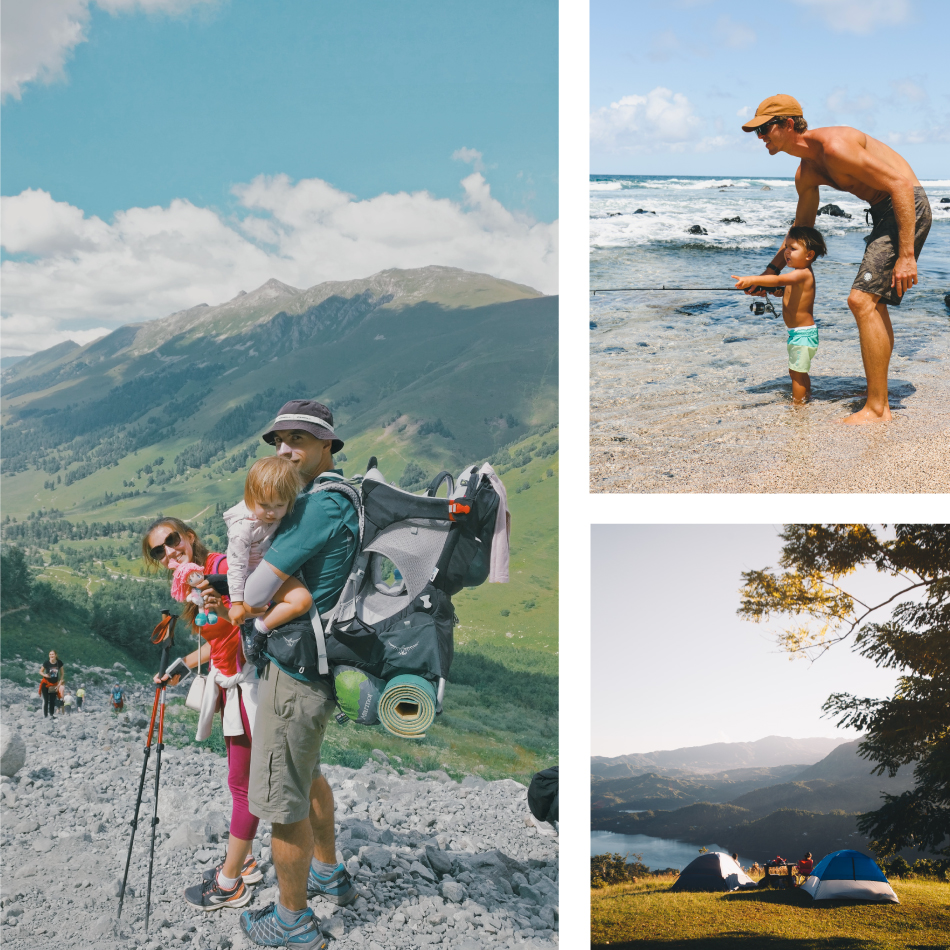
[[914, 724]]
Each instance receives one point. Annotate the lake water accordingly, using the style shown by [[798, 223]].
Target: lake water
[[694, 375], [657, 853]]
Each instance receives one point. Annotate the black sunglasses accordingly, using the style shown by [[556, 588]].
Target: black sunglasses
[[172, 541], [762, 129]]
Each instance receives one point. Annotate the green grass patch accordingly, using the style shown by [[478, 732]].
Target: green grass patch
[[646, 915]]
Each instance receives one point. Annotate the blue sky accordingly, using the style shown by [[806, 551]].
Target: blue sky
[[116, 107], [673, 666], [669, 79]]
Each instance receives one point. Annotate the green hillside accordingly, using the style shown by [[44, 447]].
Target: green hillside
[[427, 370]]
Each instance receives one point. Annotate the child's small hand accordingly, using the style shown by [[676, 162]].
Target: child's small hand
[[743, 283], [238, 613]]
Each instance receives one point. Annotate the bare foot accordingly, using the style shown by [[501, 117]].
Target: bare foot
[[866, 416]]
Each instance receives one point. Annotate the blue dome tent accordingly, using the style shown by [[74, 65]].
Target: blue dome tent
[[849, 875]]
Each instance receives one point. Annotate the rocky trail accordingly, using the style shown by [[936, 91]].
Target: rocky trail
[[437, 862]]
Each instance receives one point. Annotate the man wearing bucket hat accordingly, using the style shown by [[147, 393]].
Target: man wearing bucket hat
[[849, 160], [319, 540]]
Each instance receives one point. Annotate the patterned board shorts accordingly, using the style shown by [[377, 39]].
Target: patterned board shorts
[[874, 275]]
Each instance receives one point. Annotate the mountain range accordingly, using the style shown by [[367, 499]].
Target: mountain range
[[435, 367], [763, 753]]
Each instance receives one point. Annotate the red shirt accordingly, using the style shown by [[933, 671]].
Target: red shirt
[[223, 637], [805, 866]]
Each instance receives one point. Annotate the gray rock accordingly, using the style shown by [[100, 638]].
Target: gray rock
[[834, 211], [376, 858], [453, 891], [12, 753], [440, 861], [696, 229], [334, 927], [422, 871]]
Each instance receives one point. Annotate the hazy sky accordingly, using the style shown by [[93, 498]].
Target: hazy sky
[[672, 80], [671, 663], [158, 154]]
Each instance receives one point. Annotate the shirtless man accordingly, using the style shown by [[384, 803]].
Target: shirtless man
[[849, 160]]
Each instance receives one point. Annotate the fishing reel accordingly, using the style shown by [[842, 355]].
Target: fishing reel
[[759, 307]]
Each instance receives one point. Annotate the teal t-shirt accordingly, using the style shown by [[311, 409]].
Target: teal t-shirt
[[318, 538]]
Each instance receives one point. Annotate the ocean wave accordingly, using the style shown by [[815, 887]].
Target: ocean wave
[[605, 186], [936, 183]]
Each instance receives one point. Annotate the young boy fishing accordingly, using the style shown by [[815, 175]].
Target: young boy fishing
[[802, 246]]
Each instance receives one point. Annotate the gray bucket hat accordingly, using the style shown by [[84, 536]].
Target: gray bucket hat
[[307, 415]]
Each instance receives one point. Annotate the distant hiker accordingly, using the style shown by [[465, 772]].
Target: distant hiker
[[270, 492], [231, 684], [849, 160], [320, 539], [118, 701], [80, 696], [54, 675], [68, 701]]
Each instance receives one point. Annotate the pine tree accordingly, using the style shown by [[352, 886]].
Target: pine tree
[[914, 724]]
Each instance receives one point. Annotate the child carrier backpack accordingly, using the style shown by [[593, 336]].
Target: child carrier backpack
[[393, 623]]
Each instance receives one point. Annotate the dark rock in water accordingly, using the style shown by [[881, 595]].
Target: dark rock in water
[[945, 201], [736, 339], [696, 229], [834, 211], [735, 220], [593, 325], [614, 214], [642, 211], [946, 301], [614, 349], [643, 344], [765, 188]]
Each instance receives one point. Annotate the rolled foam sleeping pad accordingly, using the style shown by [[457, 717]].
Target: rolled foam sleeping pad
[[407, 706]]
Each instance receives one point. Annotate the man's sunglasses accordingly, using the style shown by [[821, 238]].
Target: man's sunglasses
[[763, 129], [172, 541]]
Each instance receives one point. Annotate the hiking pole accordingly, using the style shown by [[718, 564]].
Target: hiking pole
[[138, 800], [158, 771], [165, 634]]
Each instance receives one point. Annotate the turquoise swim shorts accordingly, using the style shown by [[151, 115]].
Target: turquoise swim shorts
[[802, 347]]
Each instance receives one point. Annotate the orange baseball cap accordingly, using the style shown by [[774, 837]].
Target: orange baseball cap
[[770, 108]]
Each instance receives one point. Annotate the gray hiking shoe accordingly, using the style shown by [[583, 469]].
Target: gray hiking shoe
[[338, 887], [265, 928]]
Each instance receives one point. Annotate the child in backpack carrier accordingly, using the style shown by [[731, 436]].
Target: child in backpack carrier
[[270, 491]]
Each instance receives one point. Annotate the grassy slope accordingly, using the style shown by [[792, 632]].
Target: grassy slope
[[646, 915], [489, 726]]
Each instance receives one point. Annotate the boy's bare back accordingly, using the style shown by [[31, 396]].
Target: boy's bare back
[[798, 301]]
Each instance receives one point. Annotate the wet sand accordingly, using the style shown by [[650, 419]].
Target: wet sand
[[802, 451]]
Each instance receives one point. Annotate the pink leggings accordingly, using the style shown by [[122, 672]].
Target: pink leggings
[[243, 823]]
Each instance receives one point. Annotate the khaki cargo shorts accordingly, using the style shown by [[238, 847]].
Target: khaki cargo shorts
[[285, 751], [874, 275]]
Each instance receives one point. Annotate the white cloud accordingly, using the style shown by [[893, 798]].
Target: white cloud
[[744, 112], [39, 35], [78, 275], [838, 102], [660, 119], [734, 35], [859, 16], [470, 156], [906, 90], [927, 136]]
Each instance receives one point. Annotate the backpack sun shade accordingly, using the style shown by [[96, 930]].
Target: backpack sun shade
[[388, 643]]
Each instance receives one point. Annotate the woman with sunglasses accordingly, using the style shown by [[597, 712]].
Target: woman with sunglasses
[[169, 543]]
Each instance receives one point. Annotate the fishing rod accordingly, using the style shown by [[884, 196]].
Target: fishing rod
[[617, 290]]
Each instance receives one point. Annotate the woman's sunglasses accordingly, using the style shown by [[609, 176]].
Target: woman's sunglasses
[[172, 541]]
